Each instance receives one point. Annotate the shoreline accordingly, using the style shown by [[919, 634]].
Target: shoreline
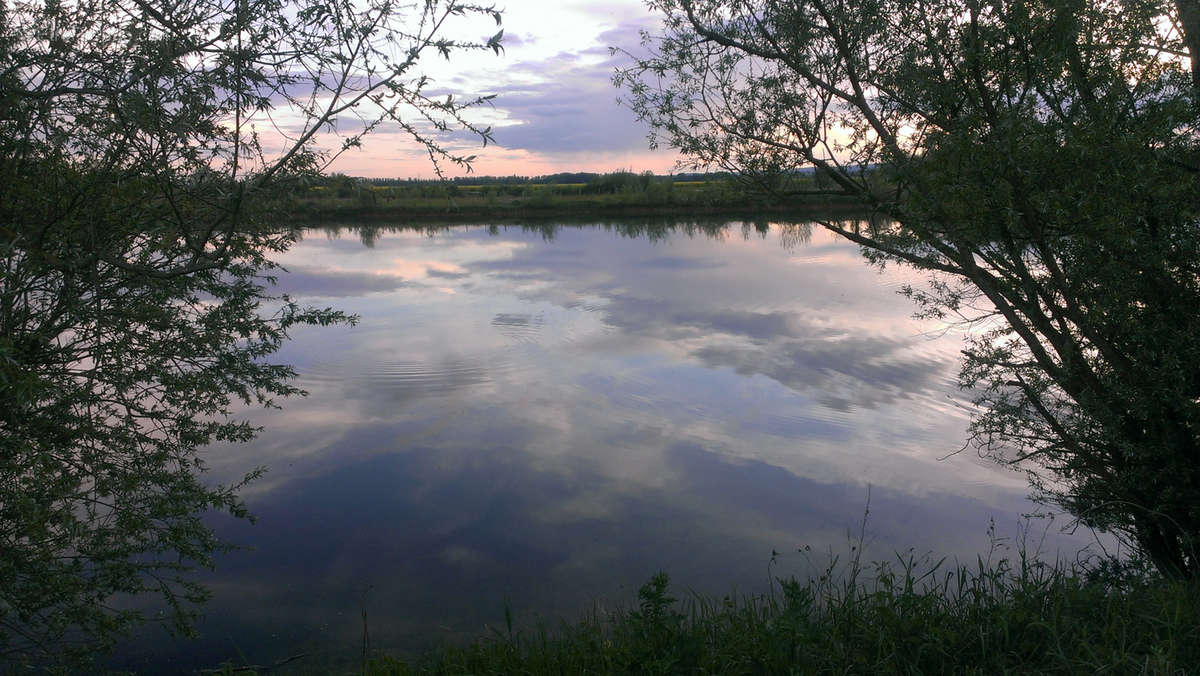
[[324, 214]]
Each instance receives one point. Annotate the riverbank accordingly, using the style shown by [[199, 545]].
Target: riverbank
[[515, 203], [317, 214], [1026, 617]]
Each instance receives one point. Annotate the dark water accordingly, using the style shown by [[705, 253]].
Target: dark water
[[551, 421]]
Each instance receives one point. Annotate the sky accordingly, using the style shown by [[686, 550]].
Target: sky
[[556, 108]]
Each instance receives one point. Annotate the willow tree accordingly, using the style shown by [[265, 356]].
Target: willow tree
[[1039, 159], [142, 145]]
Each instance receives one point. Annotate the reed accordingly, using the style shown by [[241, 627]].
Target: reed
[[907, 615]]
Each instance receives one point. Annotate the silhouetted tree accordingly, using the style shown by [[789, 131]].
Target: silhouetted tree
[[141, 147], [1040, 160]]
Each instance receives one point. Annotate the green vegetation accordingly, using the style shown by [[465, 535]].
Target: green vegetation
[[136, 316], [1039, 160], [908, 616], [495, 199]]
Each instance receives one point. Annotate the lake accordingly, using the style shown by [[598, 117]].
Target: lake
[[546, 416]]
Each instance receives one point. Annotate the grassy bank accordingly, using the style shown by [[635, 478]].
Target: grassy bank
[[899, 618], [609, 195]]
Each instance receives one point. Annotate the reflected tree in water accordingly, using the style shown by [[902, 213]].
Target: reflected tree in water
[[657, 229]]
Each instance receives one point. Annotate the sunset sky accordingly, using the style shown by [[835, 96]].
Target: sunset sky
[[556, 107]]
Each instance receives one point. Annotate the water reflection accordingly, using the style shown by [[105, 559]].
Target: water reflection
[[550, 414]]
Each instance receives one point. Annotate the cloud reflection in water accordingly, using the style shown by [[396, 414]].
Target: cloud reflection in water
[[582, 410]]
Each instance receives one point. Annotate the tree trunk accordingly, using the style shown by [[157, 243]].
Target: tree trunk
[[1159, 542], [1189, 19]]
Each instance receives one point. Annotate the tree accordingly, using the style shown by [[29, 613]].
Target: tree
[[144, 147], [1039, 159]]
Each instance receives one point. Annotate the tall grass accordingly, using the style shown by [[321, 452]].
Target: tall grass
[[909, 615]]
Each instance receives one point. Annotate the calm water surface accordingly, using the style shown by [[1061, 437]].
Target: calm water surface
[[552, 419]]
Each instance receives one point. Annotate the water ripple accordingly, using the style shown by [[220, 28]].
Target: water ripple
[[520, 327], [410, 378]]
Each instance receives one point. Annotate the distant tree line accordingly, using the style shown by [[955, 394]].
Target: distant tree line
[[572, 177]]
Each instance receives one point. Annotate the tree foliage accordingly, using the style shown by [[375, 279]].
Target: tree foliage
[[1039, 158], [142, 145]]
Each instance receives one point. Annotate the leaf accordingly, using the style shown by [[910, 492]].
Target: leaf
[[494, 42]]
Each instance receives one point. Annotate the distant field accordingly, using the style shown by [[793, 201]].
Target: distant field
[[618, 193]]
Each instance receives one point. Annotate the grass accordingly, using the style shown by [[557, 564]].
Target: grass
[[906, 616], [499, 201]]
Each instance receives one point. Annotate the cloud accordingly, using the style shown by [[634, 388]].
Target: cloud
[[845, 372], [512, 40], [834, 361], [794, 350], [300, 281], [446, 274], [664, 320], [572, 105]]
